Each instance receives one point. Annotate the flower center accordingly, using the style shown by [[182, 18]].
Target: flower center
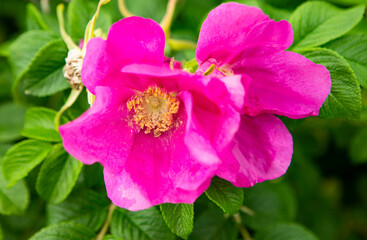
[[153, 110]]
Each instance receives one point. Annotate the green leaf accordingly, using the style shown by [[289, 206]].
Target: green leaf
[[25, 48], [284, 231], [273, 12], [358, 147], [345, 99], [316, 23], [179, 218], [58, 175], [64, 231], [85, 207], [110, 237], [11, 121], [353, 48], [212, 225], [34, 18], [45, 74], [79, 14], [39, 124], [143, 225], [13, 200], [271, 203], [22, 158], [228, 197]]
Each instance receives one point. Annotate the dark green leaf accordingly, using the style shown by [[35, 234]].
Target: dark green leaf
[[284, 231], [345, 100], [212, 225], [39, 124], [11, 121], [273, 12], [358, 147], [271, 203], [45, 74], [22, 158], [179, 218], [58, 175], [353, 48], [228, 197], [34, 18], [143, 225], [64, 231], [13, 200], [316, 23], [85, 207]]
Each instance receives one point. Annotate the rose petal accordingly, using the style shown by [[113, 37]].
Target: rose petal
[[262, 150]]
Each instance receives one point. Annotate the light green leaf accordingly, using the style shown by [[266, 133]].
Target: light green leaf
[[228, 197], [79, 14], [64, 231], [22, 158], [34, 18], [39, 124], [14, 200], [179, 218], [273, 12], [85, 207], [25, 48], [45, 74], [11, 121], [111, 237], [212, 225], [316, 23], [58, 175], [345, 100], [143, 225], [353, 48], [271, 203], [284, 231]]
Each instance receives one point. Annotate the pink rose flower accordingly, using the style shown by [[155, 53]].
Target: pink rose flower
[[156, 131], [239, 39]]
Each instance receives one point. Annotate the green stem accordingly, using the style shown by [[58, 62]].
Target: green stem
[[245, 234], [177, 44], [123, 9], [104, 229], [60, 17], [247, 211], [168, 17], [69, 102]]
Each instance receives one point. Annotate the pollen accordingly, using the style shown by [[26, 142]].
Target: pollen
[[154, 110]]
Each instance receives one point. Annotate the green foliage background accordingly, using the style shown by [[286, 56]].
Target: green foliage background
[[323, 192]]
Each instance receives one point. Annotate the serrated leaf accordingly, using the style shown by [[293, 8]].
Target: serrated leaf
[[143, 225], [285, 231], [34, 18], [39, 124], [228, 197], [179, 218], [271, 203], [45, 75], [85, 207], [13, 200], [64, 231], [22, 158], [316, 23], [24, 49], [353, 48], [58, 175], [344, 100], [212, 225], [11, 121]]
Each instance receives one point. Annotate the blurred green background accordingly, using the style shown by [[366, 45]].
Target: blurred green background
[[325, 188]]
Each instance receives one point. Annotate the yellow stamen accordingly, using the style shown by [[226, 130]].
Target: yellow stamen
[[154, 110]]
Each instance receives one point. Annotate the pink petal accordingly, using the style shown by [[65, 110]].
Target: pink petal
[[262, 150], [164, 169], [225, 29], [101, 134], [283, 83], [130, 40]]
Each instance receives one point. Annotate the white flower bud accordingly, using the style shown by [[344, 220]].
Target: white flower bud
[[73, 67]]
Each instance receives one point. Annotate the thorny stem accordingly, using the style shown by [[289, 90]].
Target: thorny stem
[[69, 102], [245, 234], [123, 9], [60, 17], [107, 223], [168, 17]]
